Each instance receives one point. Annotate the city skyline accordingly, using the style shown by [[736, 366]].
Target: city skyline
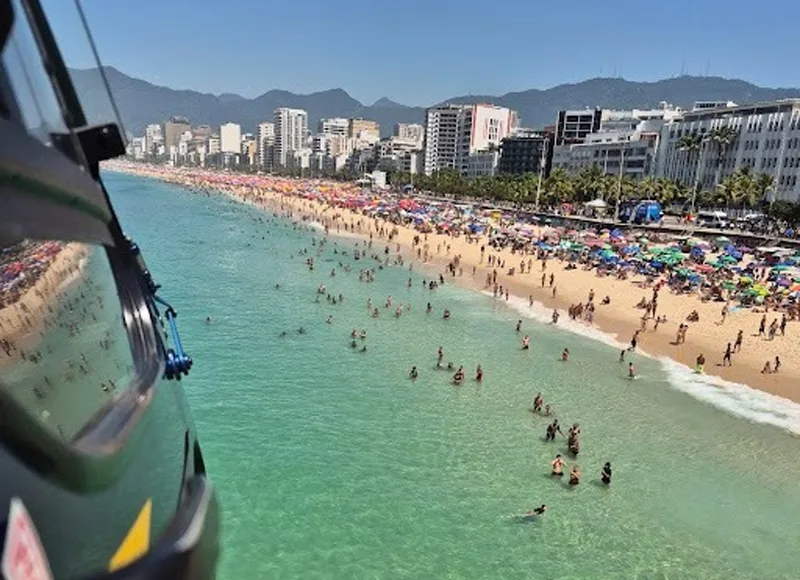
[[698, 45]]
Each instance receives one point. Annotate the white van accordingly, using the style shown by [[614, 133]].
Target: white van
[[712, 219]]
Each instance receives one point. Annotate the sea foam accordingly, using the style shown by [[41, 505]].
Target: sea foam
[[734, 398]]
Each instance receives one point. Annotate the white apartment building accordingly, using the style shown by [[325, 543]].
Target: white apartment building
[[153, 137], [334, 126], [291, 132], [442, 126], [411, 132], [768, 141], [265, 140], [630, 153], [454, 132], [230, 138]]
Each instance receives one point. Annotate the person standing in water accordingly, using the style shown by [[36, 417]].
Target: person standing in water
[[526, 342], [605, 474], [575, 475], [631, 371], [413, 374], [558, 466], [479, 374]]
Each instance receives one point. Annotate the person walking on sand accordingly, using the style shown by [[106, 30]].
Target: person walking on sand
[[737, 346], [726, 358]]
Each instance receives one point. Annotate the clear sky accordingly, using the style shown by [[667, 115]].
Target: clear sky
[[419, 52]]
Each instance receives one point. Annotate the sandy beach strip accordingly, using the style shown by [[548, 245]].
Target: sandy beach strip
[[619, 318], [23, 322]]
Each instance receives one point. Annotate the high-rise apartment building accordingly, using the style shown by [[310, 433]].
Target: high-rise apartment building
[[454, 132], [266, 141], [365, 130], [230, 138], [153, 138], [334, 126], [291, 133], [173, 129]]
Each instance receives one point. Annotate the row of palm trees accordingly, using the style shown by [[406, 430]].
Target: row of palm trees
[[742, 189]]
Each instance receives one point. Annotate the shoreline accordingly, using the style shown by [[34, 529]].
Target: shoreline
[[24, 327], [617, 320]]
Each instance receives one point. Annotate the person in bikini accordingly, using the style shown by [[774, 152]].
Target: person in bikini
[[558, 466]]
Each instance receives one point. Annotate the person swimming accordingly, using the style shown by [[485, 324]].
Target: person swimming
[[536, 512], [605, 474], [208, 320], [446, 314], [575, 475], [558, 466]]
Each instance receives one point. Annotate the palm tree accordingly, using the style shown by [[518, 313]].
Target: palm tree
[[764, 182], [722, 138], [559, 188], [692, 145]]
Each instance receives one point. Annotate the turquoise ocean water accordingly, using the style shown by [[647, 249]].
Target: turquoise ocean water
[[331, 463]]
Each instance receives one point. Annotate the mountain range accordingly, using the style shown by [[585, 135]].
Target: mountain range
[[141, 103]]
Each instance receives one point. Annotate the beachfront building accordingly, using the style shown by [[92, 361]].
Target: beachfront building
[[441, 137], [291, 131], [574, 126], [230, 138], [153, 140], [266, 142], [481, 163], [524, 151], [454, 132], [626, 153], [173, 129], [765, 137]]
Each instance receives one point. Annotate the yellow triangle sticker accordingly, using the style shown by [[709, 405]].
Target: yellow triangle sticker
[[136, 542]]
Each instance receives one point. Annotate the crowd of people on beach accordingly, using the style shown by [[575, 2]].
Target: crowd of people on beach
[[51, 298]]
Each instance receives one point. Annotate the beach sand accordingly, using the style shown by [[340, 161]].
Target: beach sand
[[23, 322], [620, 318]]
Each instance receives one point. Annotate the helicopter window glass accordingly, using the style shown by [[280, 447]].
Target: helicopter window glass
[[66, 19], [33, 93], [64, 348]]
